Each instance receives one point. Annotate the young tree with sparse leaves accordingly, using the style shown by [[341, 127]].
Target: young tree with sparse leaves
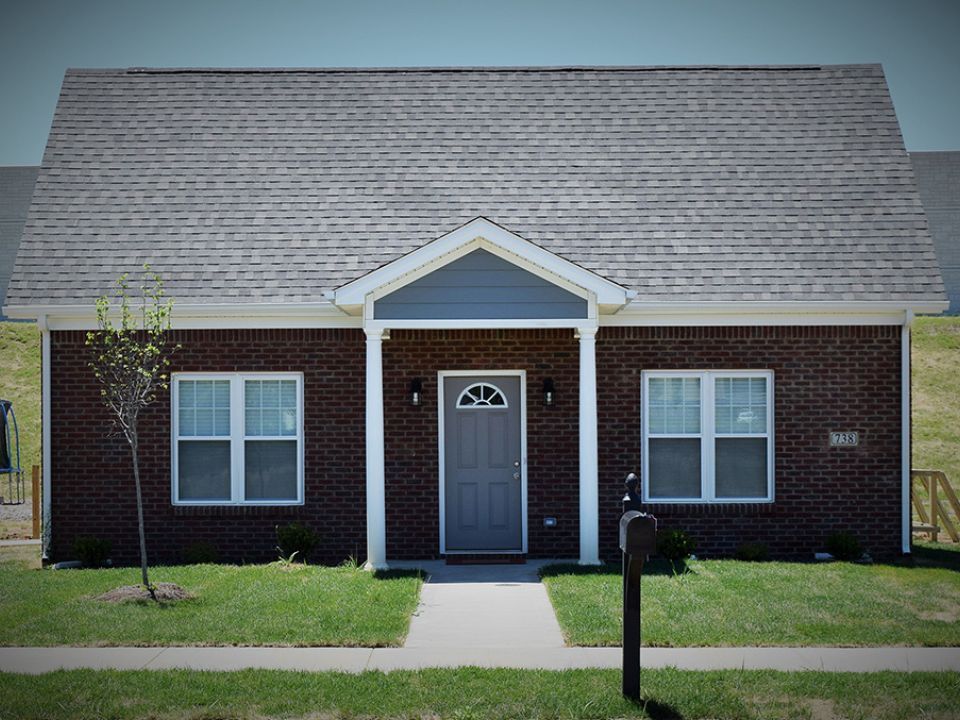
[[130, 360]]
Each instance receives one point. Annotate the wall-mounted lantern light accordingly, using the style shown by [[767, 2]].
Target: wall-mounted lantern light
[[548, 391], [416, 392]]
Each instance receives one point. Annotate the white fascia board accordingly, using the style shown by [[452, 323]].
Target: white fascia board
[[196, 316], [798, 306], [763, 313], [498, 240], [731, 319]]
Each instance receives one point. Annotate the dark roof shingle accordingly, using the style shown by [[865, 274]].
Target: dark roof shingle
[[938, 180], [704, 184], [16, 187]]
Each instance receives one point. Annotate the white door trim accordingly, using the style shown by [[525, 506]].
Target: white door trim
[[522, 374]]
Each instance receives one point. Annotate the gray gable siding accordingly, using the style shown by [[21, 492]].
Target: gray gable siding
[[479, 285], [682, 184], [938, 180], [16, 188]]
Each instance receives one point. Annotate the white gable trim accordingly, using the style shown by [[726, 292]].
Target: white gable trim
[[480, 233]]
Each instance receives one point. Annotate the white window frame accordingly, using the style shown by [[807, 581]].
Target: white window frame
[[463, 393], [237, 436], [707, 435]]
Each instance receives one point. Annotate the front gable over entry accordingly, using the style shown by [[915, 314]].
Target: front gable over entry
[[476, 286], [481, 271]]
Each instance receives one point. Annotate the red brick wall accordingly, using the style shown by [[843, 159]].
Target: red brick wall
[[92, 483], [412, 435], [826, 378]]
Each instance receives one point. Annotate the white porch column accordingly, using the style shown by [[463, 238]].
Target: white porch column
[[46, 420], [589, 508], [906, 438], [376, 503]]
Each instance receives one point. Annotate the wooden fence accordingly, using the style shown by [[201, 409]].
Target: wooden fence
[[929, 489], [35, 497]]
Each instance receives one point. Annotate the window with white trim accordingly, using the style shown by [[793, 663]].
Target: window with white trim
[[237, 439], [707, 436]]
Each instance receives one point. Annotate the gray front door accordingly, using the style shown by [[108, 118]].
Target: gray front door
[[482, 474]]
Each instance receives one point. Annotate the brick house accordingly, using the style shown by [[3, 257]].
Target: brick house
[[442, 311]]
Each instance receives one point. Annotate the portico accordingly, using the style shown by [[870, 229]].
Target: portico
[[481, 276]]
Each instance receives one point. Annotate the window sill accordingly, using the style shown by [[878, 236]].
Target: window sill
[[664, 508], [236, 509]]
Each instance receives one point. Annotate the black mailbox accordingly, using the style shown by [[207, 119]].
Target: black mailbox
[[638, 538], [638, 533]]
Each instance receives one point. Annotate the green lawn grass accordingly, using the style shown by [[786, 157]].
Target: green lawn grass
[[936, 397], [732, 603], [234, 605], [477, 693], [20, 383]]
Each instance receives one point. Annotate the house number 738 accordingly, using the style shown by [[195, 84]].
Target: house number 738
[[844, 439]]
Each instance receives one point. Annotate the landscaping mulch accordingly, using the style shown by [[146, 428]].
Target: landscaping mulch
[[164, 592]]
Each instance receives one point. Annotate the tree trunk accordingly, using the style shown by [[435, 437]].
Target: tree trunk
[[143, 538]]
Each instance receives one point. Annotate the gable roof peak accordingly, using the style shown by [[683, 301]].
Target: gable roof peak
[[480, 233]]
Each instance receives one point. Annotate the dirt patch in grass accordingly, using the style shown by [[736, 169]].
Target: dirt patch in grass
[[822, 709], [165, 592], [948, 616]]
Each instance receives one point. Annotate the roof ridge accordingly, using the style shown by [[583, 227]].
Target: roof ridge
[[477, 69]]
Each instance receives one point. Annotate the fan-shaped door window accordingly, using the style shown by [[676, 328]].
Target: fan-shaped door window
[[482, 395]]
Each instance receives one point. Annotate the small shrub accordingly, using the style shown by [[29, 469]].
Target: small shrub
[[844, 546], [296, 541], [200, 553], [675, 545], [93, 552], [752, 552]]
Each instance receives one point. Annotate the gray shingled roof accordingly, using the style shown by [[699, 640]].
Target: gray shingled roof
[[938, 180], [16, 187], [679, 183]]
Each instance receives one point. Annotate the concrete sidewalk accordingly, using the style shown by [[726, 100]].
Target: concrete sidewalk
[[355, 660], [465, 607]]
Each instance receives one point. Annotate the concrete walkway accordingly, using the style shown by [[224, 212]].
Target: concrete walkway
[[464, 607], [354, 660]]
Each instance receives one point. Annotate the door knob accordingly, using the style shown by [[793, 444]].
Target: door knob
[[516, 464]]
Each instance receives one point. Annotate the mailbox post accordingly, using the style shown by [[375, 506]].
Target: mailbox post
[[638, 538]]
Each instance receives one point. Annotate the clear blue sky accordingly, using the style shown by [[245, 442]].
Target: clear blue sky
[[918, 42]]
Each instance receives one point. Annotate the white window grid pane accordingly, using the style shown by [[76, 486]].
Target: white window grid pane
[[740, 406], [270, 408], [251, 394], [251, 421], [203, 417], [203, 408], [673, 406]]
